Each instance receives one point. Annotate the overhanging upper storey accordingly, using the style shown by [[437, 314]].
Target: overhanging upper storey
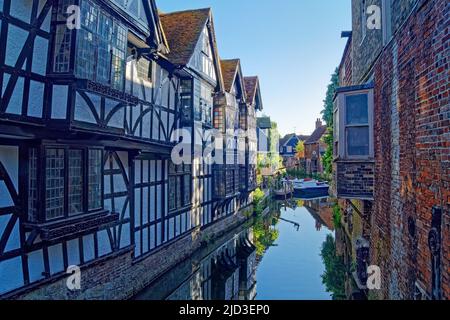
[[354, 142]]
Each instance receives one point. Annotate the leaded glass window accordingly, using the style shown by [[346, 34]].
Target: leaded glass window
[[101, 47], [63, 38], [75, 184], [179, 186], [95, 179], [32, 185], [54, 183]]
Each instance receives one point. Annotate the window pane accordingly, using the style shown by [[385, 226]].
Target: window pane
[[89, 15], [95, 179], [356, 109], [86, 48], [172, 187], [104, 62], [32, 186], [143, 69], [75, 182], [54, 192], [178, 192], [63, 38], [187, 190], [358, 141]]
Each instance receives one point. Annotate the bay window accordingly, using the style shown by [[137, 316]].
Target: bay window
[[71, 179], [353, 123], [100, 49], [354, 166]]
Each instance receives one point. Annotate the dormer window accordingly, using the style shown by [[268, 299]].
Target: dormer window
[[353, 116]]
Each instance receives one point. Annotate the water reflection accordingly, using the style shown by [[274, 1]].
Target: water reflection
[[287, 254]]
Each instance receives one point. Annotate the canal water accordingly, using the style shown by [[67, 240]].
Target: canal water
[[277, 256]]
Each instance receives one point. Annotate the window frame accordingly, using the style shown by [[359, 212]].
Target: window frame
[[41, 209], [179, 173], [340, 130]]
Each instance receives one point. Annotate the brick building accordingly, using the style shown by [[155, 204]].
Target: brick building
[[315, 148], [392, 144]]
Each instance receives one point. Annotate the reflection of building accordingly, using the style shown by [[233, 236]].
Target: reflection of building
[[315, 149], [322, 211], [391, 163], [226, 272]]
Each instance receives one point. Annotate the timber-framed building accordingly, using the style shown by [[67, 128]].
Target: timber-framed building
[[87, 120]]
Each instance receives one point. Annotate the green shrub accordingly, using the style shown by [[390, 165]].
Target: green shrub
[[337, 216]]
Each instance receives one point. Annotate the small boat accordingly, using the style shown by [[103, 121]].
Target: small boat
[[310, 188]]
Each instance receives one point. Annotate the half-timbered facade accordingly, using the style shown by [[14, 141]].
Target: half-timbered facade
[[86, 117], [92, 93]]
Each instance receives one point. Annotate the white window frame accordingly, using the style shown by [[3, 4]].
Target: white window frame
[[340, 130]]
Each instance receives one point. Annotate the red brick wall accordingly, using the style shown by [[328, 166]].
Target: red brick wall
[[412, 150], [345, 68]]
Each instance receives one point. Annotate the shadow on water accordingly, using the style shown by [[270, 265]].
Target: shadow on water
[[290, 253]]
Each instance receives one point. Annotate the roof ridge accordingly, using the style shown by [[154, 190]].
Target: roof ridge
[[184, 11]]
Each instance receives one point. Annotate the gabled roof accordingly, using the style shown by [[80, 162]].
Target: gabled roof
[[252, 90], [288, 137], [229, 71], [232, 72], [251, 85], [182, 30], [317, 135]]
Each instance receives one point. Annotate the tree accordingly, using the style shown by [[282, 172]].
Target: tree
[[327, 116], [335, 270], [300, 150]]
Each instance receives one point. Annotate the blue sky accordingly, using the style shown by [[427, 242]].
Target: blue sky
[[292, 45]]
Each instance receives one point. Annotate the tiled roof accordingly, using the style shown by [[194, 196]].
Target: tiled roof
[[251, 84], [182, 30], [229, 69], [317, 135]]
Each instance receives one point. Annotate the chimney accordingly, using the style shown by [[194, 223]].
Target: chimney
[[318, 123]]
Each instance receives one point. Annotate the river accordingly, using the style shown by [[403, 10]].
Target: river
[[277, 256]]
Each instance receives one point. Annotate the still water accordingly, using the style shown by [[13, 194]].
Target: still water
[[277, 256]]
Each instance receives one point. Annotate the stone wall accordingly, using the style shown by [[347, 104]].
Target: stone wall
[[412, 151], [120, 277]]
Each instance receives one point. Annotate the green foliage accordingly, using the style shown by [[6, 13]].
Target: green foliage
[[327, 115], [335, 269], [300, 149], [258, 203], [337, 216], [327, 112], [264, 234]]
